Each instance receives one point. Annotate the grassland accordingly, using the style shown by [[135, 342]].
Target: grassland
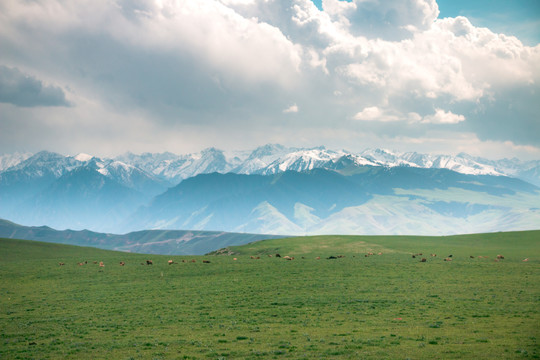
[[388, 306]]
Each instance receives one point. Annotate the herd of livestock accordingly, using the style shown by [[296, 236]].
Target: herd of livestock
[[414, 256]]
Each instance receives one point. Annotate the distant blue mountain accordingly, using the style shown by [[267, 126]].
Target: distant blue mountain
[[165, 242], [366, 200]]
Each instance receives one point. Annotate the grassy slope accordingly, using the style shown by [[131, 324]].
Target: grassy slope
[[388, 306], [518, 244]]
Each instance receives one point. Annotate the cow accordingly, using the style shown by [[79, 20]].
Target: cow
[[471, 257], [277, 255], [193, 260], [122, 263], [269, 255], [331, 258], [318, 258], [433, 255], [500, 257], [101, 264], [287, 257], [61, 264], [448, 259], [80, 264], [525, 260], [149, 262], [206, 261], [414, 256], [423, 260], [170, 262], [234, 259]]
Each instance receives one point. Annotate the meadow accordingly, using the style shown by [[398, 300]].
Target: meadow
[[388, 306]]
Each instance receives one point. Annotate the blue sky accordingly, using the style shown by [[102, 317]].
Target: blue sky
[[520, 18], [105, 77]]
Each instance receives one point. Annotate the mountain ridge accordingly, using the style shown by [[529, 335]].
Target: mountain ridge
[[164, 242], [272, 158]]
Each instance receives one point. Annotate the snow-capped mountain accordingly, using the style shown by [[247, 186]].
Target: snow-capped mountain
[[273, 189], [170, 169]]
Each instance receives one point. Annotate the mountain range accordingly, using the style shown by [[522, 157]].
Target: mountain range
[[272, 190]]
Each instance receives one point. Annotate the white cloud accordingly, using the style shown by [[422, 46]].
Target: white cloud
[[443, 117], [233, 64], [291, 109]]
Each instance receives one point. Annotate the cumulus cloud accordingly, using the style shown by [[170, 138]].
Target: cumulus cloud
[[391, 68], [21, 89], [291, 109], [443, 117]]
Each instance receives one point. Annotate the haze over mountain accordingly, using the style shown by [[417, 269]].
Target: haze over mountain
[[165, 242], [273, 190]]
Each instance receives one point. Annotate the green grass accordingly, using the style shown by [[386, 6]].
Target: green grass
[[383, 306]]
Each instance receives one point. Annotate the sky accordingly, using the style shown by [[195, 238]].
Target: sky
[[106, 77]]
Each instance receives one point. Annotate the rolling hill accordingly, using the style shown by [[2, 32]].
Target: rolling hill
[[166, 242]]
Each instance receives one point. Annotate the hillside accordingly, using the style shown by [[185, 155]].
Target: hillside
[[173, 242], [520, 244]]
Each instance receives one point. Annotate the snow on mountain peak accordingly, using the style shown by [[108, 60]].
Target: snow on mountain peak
[[267, 159], [83, 157]]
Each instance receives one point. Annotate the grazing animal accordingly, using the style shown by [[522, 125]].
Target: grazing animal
[[122, 263], [62, 264], [287, 257], [341, 256], [379, 253], [331, 257], [183, 260], [95, 262], [414, 256], [206, 261], [527, 259], [193, 260], [269, 255], [149, 262], [277, 255], [170, 262], [471, 257], [235, 259], [448, 259], [80, 264], [433, 255], [450, 256], [318, 258], [500, 257], [101, 264], [423, 260]]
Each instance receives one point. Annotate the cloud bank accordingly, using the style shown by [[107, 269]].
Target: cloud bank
[[181, 75]]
